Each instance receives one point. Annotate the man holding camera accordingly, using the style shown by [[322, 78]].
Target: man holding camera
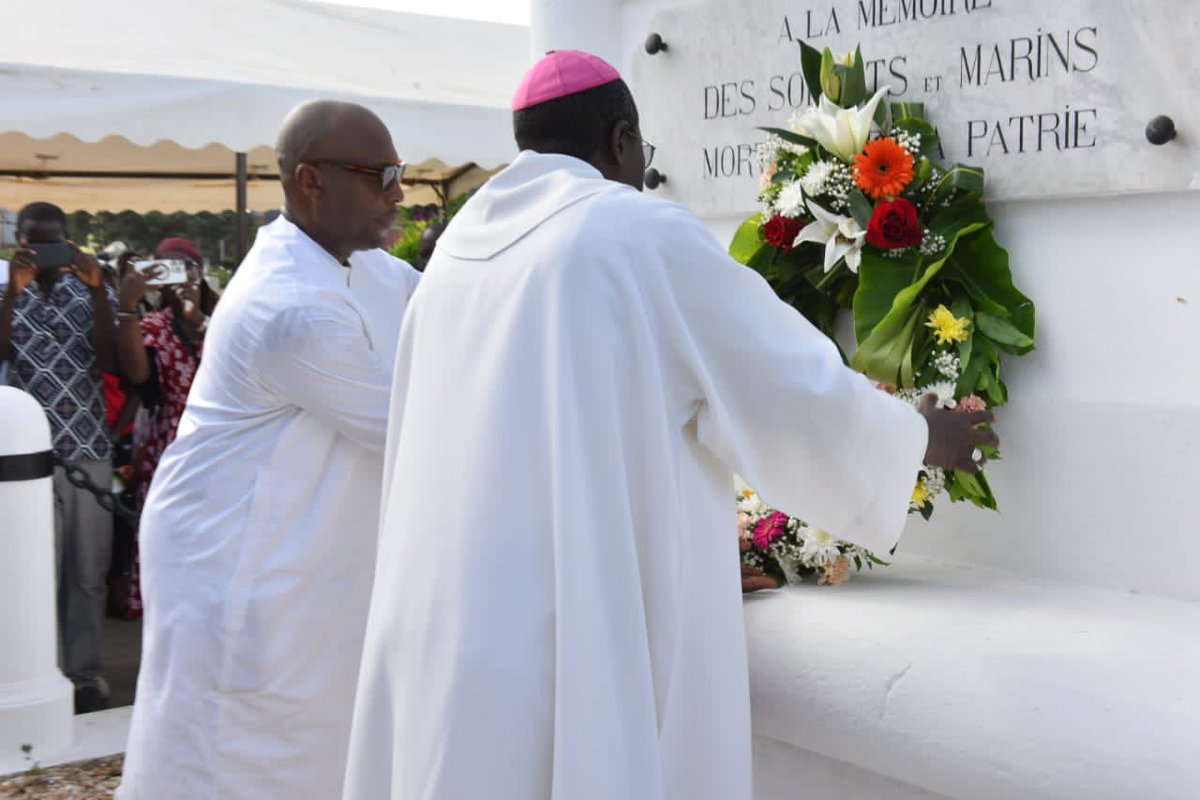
[[57, 335]]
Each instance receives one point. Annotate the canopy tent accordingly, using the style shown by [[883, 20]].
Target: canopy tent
[[113, 174], [146, 103]]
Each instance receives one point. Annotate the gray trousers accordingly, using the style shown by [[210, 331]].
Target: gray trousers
[[83, 537]]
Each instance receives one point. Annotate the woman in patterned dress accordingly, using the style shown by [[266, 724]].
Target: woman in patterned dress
[[160, 353]]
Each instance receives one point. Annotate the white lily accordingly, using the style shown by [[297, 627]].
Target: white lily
[[841, 131], [841, 236]]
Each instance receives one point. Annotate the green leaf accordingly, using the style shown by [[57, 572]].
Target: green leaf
[[789, 268], [880, 279], [989, 498], [957, 220], [886, 354], [922, 171], [997, 392], [907, 111], [924, 347], [919, 126], [981, 372], [882, 117], [961, 307], [854, 81], [831, 83], [965, 350], [960, 178], [887, 300], [788, 136], [747, 240], [972, 487], [1002, 331], [810, 65], [888, 286], [860, 207], [980, 266], [829, 278], [764, 261]]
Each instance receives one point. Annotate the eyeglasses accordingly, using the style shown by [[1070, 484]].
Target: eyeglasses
[[647, 148], [389, 174]]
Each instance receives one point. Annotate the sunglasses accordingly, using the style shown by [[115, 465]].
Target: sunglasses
[[647, 148], [388, 174]]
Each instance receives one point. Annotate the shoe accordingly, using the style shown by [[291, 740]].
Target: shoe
[[90, 697]]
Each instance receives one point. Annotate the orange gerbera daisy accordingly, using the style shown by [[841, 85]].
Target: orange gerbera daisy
[[884, 168]]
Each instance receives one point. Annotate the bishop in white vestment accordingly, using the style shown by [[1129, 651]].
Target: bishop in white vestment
[[557, 611], [258, 536]]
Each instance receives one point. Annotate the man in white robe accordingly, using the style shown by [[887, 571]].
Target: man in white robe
[[556, 610], [258, 535]]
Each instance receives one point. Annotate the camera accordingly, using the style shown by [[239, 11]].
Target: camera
[[172, 272], [50, 255]]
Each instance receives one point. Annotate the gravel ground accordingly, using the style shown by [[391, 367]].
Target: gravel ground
[[84, 780]]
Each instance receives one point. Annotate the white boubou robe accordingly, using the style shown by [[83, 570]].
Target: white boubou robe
[[258, 535], [557, 609]]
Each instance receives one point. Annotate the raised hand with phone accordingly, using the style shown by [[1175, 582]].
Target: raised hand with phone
[[22, 271], [161, 351], [57, 332]]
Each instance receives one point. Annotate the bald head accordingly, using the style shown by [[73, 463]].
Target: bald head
[[327, 129], [331, 160]]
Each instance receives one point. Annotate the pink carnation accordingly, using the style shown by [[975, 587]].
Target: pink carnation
[[971, 403], [770, 528]]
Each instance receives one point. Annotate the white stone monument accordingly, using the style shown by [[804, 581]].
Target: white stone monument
[[1048, 650], [36, 701]]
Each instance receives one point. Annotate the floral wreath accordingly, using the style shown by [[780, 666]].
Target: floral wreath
[[858, 216]]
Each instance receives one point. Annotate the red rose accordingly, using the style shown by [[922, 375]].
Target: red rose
[[894, 224], [781, 231]]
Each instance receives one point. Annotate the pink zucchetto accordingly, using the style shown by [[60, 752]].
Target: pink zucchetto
[[560, 73]]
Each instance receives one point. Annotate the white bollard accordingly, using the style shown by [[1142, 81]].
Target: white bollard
[[36, 701]]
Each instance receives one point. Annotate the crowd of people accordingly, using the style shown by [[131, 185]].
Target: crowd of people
[[467, 540], [111, 361]]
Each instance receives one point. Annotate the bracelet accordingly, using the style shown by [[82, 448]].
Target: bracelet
[[127, 315]]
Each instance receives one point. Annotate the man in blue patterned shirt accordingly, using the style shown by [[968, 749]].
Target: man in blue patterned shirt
[[57, 333]]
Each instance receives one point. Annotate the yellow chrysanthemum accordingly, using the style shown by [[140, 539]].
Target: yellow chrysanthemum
[[920, 494], [747, 493], [947, 327]]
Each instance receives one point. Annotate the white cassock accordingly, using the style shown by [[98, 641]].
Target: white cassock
[[557, 609], [258, 535]]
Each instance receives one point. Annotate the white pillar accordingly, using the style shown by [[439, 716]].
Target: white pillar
[[590, 25], [36, 701]]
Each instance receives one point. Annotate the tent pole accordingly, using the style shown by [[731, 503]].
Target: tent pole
[[240, 224]]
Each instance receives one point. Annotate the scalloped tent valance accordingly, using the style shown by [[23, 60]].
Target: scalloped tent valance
[[187, 85]]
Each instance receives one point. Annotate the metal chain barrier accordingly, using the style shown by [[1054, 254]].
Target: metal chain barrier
[[109, 500]]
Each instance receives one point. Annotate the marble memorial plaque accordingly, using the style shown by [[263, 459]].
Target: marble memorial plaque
[[1052, 99]]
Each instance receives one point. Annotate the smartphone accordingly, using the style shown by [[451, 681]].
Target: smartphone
[[48, 255], [172, 272]]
